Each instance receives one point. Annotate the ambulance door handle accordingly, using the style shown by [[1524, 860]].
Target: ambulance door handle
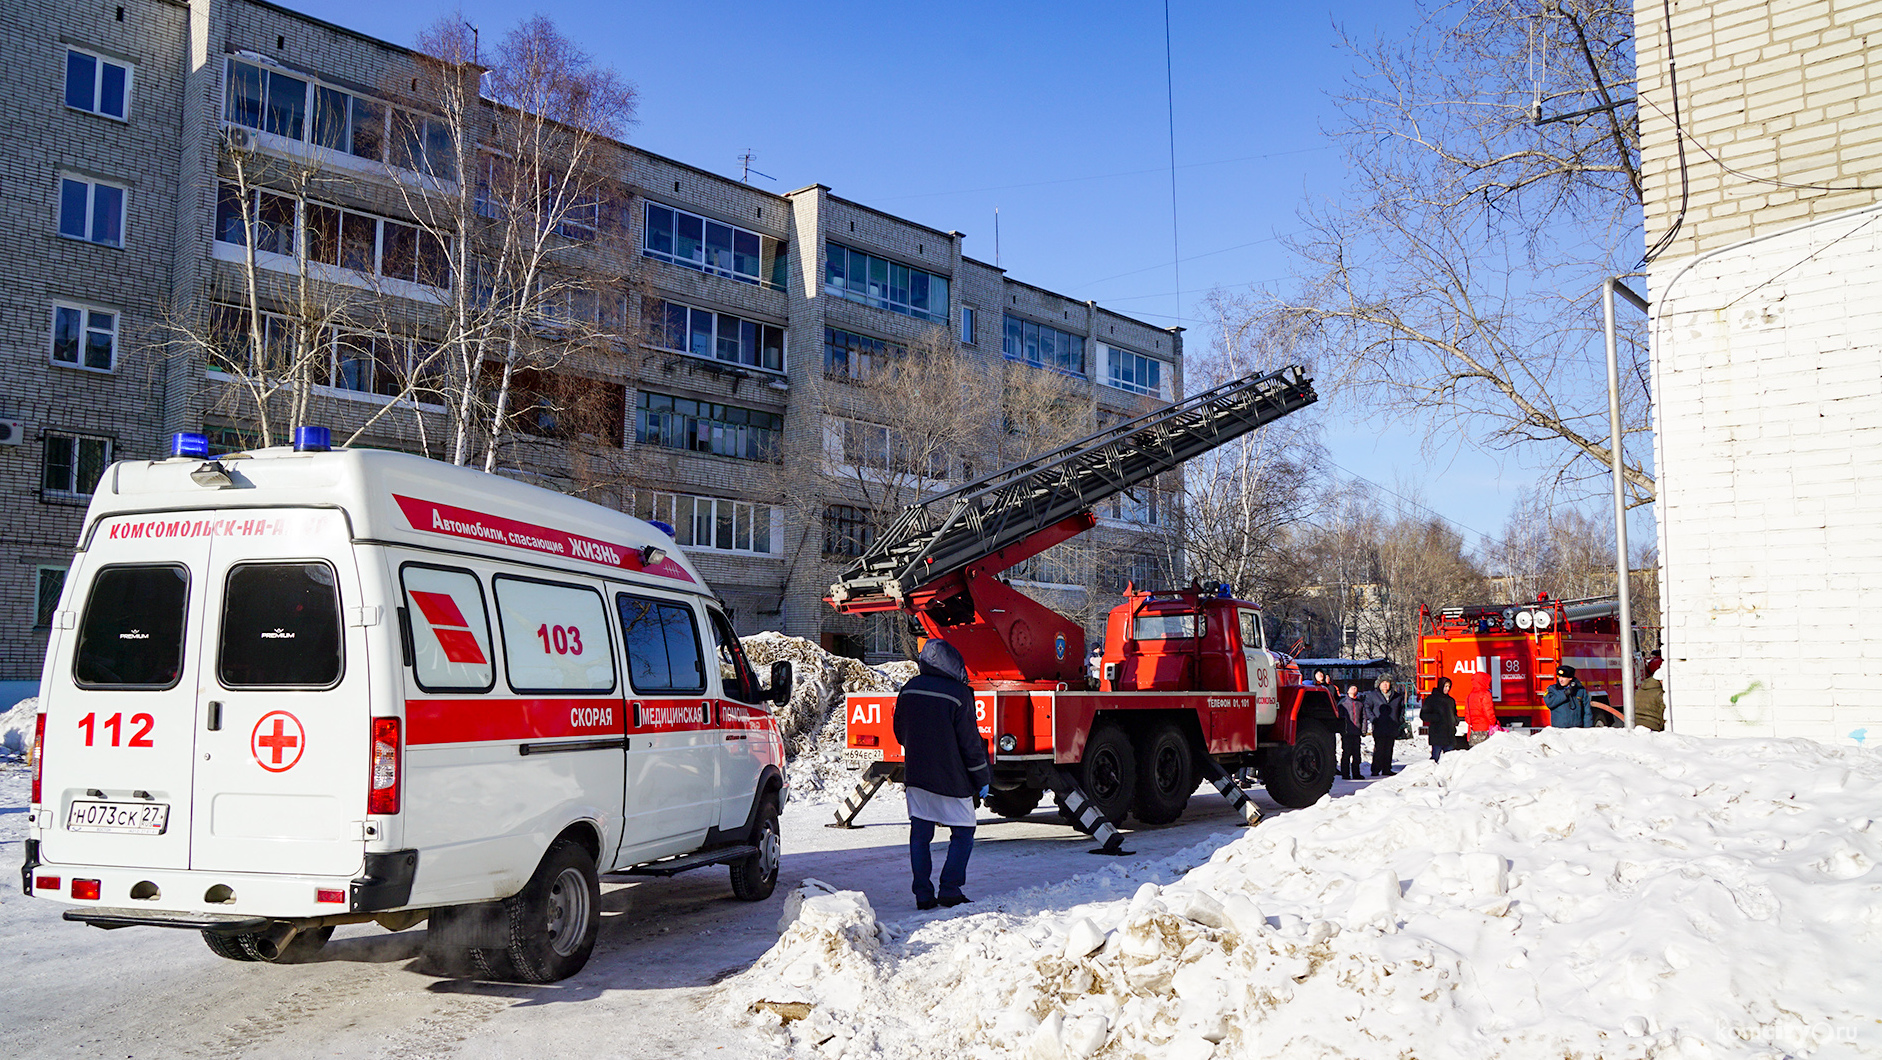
[[215, 715]]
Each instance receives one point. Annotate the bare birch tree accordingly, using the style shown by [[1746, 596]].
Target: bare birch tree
[[1454, 282], [523, 180]]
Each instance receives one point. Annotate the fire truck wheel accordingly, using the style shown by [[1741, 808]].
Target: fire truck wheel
[[1166, 774], [228, 946], [754, 877], [1108, 772], [552, 920], [1015, 803], [1297, 776]]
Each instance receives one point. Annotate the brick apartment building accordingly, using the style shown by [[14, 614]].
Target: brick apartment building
[[117, 193], [1766, 335]]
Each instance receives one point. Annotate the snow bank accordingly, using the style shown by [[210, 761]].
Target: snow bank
[[1575, 893], [16, 728], [812, 722]]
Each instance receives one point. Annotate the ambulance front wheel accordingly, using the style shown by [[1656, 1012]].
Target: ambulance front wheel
[[552, 921], [756, 875]]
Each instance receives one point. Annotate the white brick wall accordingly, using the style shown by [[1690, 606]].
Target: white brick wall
[[1768, 386]]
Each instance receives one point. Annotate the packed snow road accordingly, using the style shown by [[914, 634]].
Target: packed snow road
[[71, 990]]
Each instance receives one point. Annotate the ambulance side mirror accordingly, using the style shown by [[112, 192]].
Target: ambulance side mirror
[[780, 682]]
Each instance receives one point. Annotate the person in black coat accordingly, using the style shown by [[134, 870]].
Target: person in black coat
[[1440, 717], [945, 765], [1352, 713], [1385, 710]]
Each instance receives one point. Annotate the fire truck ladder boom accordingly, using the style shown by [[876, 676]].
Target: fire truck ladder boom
[[944, 534]]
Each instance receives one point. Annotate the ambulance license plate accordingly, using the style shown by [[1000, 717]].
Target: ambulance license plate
[[141, 818]]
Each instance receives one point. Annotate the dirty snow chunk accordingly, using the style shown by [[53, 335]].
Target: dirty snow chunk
[[16, 728], [812, 723], [1574, 893]]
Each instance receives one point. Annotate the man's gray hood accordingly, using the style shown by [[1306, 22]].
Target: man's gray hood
[[940, 659]]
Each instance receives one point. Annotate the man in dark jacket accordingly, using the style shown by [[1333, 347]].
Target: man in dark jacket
[[1385, 709], [1352, 712], [945, 765], [1569, 704], [1439, 713]]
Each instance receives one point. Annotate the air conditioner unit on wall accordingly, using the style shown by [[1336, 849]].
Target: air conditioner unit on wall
[[238, 138], [12, 432]]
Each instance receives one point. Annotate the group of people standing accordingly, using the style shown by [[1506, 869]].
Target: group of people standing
[[1378, 712]]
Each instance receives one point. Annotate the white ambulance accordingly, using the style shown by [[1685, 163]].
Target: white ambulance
[[296, 688]]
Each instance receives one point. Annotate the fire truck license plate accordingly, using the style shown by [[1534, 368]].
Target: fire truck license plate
[[142, 818]]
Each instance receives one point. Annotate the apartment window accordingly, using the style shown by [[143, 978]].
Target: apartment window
[[302, 108], [846, 530], [74, 463], [967, 325], [1141, 506], [1133, 372], [51, 584], [1043, 346], [710, 522], [885, 284], [714, 336], [695, 242], [96, 84], [91, 210], [342, 238], [873, 445], [83, 337], [847, 355], [1136, 569], [705, 427]]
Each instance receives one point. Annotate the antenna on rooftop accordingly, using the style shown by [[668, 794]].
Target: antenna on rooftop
[[745, 160]]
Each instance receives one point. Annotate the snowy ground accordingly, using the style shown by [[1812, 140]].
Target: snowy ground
[[1579, 893], [74, 991]]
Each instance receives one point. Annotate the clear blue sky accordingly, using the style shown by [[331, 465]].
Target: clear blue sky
[[1053, 112]]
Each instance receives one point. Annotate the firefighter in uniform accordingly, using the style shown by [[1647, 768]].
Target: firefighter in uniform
[[1568, 702]]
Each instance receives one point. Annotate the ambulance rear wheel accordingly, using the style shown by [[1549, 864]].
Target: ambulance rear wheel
[[1108, 772], [1014, 803], [228, 947], [756, 876], [1166, 774], [552, 920]]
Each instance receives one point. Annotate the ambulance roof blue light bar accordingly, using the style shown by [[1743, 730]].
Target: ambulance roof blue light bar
[[189, 443], [312, 439]]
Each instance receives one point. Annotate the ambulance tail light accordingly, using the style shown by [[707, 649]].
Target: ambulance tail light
[[39, 755], [85, 890], [383, 798]]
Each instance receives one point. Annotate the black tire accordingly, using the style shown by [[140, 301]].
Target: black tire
[[1299, 775], [756, 876], [1108, 772], [228, 947], [1014, 803], [1166, 774], [552, 920]]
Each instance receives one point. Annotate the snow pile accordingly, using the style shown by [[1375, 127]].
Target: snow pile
[[16, 728], [1575, 893], [812, 723]]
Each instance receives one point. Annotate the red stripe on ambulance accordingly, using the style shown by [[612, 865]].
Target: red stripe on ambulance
[[436, 518]]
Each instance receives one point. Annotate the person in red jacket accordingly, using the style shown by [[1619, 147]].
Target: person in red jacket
[[1479, 709]]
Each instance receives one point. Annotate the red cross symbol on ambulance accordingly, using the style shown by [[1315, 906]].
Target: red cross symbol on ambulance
[[277, 741]]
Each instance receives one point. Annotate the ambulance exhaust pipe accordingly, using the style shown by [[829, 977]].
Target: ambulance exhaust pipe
[[270, 944]]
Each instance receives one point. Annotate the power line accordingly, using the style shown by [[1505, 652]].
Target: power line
[[1169, 85], [1192, 257]]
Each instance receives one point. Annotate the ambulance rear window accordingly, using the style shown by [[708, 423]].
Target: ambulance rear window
[[662, 645], [280, 626], [132, 635]]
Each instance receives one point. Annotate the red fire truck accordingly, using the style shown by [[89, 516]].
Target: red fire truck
[[1519, 646], [1188, 689]]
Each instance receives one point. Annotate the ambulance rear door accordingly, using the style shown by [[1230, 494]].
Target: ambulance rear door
[[121, 697], [283, 719]]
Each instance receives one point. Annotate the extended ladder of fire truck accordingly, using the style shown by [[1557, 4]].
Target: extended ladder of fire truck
[[940, 558]]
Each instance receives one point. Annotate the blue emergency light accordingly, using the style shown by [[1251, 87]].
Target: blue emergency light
[[189, 443], [660, 526], [312, 439]]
